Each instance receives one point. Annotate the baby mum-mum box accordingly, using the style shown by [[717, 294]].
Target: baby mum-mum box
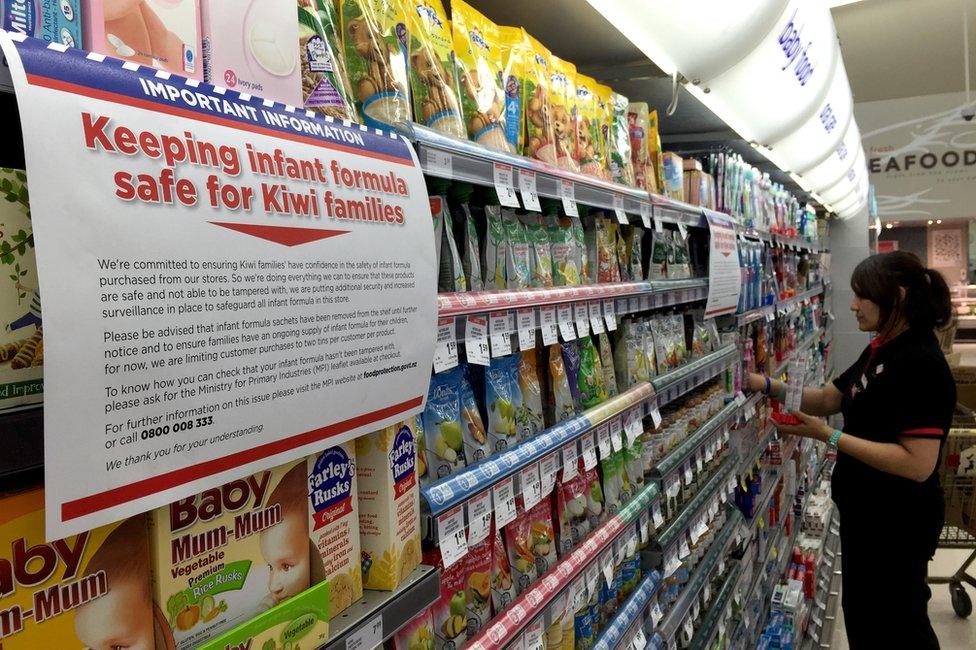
[[223, 556], [163, 34], [90, 590], [389, 505], [333, 515], [253, 48]]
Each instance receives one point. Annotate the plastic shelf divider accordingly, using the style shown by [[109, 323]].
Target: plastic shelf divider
[[674, 459], [706, 632], [630, 612]]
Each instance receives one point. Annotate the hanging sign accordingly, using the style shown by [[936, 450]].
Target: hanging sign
[[724, 282]]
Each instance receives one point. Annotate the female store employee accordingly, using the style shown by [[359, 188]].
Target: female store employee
[[897, 401]]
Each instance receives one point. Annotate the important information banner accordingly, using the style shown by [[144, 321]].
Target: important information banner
[[724, 277], [228, 283]]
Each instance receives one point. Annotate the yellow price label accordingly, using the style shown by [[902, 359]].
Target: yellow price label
[[762, 523]]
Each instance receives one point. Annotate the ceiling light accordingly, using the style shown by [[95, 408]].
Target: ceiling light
[[938, 221], [889, 226], [930, 222], [833, 4]]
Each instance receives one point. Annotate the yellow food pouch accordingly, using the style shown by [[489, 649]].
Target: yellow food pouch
[[514, 48], [655, 153], [588, 127], [604, 112], [540, 143], [433, 75], [563, 98]]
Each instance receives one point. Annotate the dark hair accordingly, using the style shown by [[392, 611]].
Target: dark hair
[[926, 303]]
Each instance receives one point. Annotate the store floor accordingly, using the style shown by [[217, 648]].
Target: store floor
[[954, 633]]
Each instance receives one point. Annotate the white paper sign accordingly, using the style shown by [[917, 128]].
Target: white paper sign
[[530, 198], [445, 352], [531, 486], [476, 340], [202, 303], [567, 192], [548, 467], [570, 465], [505, 186], [724, 281], [645, 214], [501, 338], [503, 496], [582, 314], [547, 325], [450, 536], [603, 440], [526, 329], [564, 313], [596, 322], [479, 517], [618, 209], [589, 451]]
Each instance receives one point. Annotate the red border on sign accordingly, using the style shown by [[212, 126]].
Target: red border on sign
[[125, 493]]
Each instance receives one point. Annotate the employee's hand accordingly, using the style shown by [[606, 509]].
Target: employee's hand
[[810, 427]]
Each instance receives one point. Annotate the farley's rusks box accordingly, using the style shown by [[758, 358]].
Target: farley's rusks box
[[224, 555], [91, 590]]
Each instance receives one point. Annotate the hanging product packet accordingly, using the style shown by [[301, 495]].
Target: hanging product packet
[[443, 438], [466, 225], [621, 166], [611, 469], [515, 51], [374, 36], [531, 544], [325, 85], [562, 75], [562, 245], [588, 127], [502, 582], [655, 181], [637, 125], [518, 269], [607, 269], [479, 64], [450, 608], [417, 634], [606, 363], [564, 406], [604, 115], [433, 74], [540, 141], [502, 399], [530, 417], [646, 343], [541, 253], [571, 361], [577, 509], [473, 433], [477, 565], [682, 257], [635, 255], [495, 252], [660, 250], [634, 466], [450, 277], [578, 250], [591, 382]]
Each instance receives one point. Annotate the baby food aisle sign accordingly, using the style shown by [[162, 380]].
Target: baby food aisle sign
[[228, 283]]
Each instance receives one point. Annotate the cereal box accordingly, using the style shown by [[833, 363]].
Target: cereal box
[[333, 515], [389, 505], [90, 590], [298, 623], [229, 553]]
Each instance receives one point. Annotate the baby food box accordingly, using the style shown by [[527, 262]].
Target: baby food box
[[389, 505], [333, 516], [163, 34], [90, 590], [21, 342], [231, 552], [253, 48], [299, 622]]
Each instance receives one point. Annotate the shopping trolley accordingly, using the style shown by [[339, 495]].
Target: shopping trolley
[[957, 472]]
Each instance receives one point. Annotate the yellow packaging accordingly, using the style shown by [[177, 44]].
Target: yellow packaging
[[589, 127], [374, 39], [479, 64], [515, 50], [333, 518], [433, 75], [563, 99], [228, 553], [389, 505], [90, 590], [655, 153], [638, 127], [540, 143], [604, 110]]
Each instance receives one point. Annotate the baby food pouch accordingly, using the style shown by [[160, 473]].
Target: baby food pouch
[[655, 181], [646, 343], [579, 503], [374, 37], [588, 127], [82, 591], [563, 404], [578, 250], [477, 568], [450, 609], [591, 382], [562, 75], [571, 361], [333, 519], [228, 553], [540, 141], [501, 402], [530, 418], [518, 271], [479, 64], [470, 247], [638, 128], [606, 256], [418, 634], [502, 583], [633, 467], [635, 252], [514, 50], [660, 246], [495, 261], [565, 265], [621, 167], [531, 544], [611, 469], [682, 257], [604, 114], [433, 74], [450, 277], [606, 363], [443, 436], [474, 436], [325, 85], [21, 342], [389, 505], [538, 236]]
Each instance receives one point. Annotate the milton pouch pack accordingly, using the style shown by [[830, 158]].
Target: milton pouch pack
[[621, 167], [571, 360], [433, 75], [538, 236], [562, 75], [450, 277], [374, 35], [465, 223], [606, 363], [531, 544], [514, 49], [442, 424], [530, 417], [479, 66], [588, 136], [495, 261], [518, 269], [501, 402], [502, 580], [591, 383], [325, 86], [540, 142], [563, 404], [474, 436]]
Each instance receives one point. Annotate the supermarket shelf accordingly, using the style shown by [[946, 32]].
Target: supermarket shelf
[[22, 433], [680, 523], [380, 614], [631, 611], [460, 486], [535, 601], [800, 348], [770, 311], [759, 512], [780, 240], [677, 456], [710, 624], [750, 458], [671, 385]]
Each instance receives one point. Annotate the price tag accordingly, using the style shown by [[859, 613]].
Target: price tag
[[616, 434], [656, 515], [700, 528], [610, 315], [698, 463], [672, 644], [721, 566], [501, 339], [589, 452], [531, 486], [606, 564], [706, 593], [603, 440], [503, 495], [689, 478], [505, 186], [564, 313], [618, 209], [671, 563], [526, 329], [658, 224], [533, 635], [709, 453], [596, 321], [770, 315], [367, 636], [656, 614], [439, 163], [567, 192], [530, 199], [645, 214], [632, 426], [577, 592], [476, 340], [445, 354], [592, 576], [547, 318], [582, 314], [479, 517], [548, 467], [643, 525], [693, 533], [689, 628], [683, 550], [570, 467], [450, 536], [682, 230], [656, 415], [630, 548], [640, 641]]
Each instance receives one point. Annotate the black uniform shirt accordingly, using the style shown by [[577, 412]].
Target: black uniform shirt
[[899, 388]]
